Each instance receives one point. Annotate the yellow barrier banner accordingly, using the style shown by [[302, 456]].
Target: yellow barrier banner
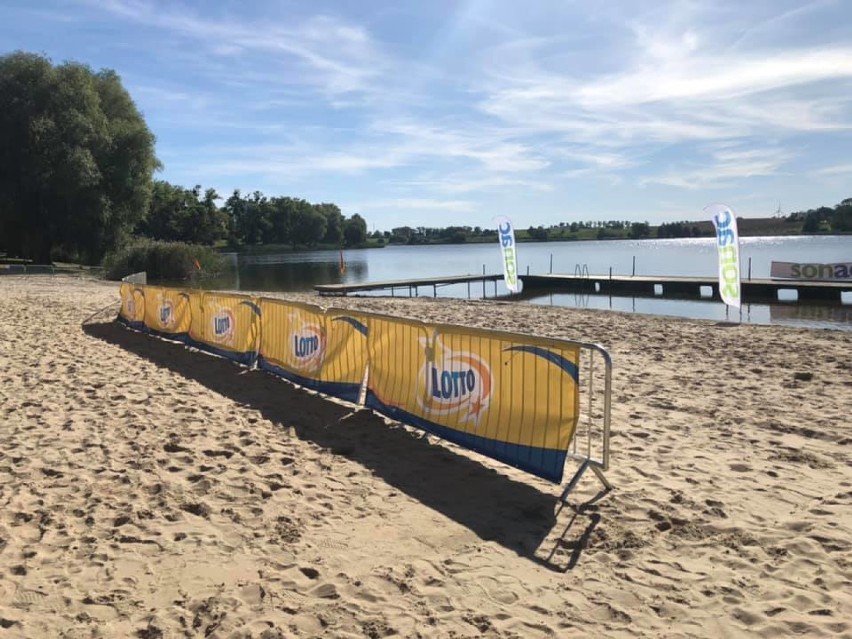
[[310, 347], [293, 340], [512, 397], [132, 305], [346, 353], [167, 312], [225, 324], [398, 351], [196, 323]]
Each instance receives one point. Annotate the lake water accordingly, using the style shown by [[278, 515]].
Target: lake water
[[301, 271]]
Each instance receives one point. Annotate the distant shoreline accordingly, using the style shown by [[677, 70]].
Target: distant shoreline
[[264, 249]]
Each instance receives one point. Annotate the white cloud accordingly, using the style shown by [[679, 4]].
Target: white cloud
[[683, 78], [498, 98], [472, 183], [724, 167], [493, 147], [337, 56], [837, 169], [420, 204]]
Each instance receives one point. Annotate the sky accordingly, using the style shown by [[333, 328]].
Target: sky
[[447, 113]]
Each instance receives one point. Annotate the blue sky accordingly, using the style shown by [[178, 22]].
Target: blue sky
[[438, 113]]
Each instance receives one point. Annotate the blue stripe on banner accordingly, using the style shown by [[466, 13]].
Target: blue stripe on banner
[[136, 326], [172, 337], [554, 358], [358, 326], [252, 306], [341, 390], [246, 359], [543, 462]]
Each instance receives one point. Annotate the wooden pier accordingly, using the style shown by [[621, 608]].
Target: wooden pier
[[412, 286], [671, 287], [755, 290]]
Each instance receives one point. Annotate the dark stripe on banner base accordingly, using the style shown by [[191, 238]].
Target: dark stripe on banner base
[[246, 359], [135, 326], [342, 390], [546, 463], [171, 337]]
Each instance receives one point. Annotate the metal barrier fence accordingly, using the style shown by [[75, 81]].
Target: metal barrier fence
[[527, 401], [225, 324], [325, 350], [75, 270], [27, 269], [140, 278]]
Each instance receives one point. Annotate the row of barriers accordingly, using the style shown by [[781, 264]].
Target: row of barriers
[[515, 398], [27, 269]]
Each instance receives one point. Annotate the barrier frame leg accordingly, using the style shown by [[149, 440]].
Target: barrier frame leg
[[587, 463]]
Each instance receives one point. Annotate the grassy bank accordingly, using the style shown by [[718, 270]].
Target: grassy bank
[[163, 260]]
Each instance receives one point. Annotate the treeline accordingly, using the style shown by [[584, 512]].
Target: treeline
[[679, 229], [178, 214], [76, 160], [76, 178], [837, 219], [826, 219], [563, 231], [445, 235]]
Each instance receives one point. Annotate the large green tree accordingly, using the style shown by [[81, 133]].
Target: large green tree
[[288, 220], [355, 230], [177, 214], [841, 219], [334, 221], [76, 159]]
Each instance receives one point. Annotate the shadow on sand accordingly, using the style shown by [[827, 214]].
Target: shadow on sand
[[495, 507]]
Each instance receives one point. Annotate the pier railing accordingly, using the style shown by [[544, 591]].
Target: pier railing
[[757, 290], [527, 401]]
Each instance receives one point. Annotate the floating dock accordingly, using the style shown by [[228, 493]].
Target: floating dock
[[754, 290], [671, 287], [412, 286]]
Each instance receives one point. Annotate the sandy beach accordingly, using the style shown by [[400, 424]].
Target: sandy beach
[[150, 491]]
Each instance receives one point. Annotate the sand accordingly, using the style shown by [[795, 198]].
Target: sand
[[150, 491]]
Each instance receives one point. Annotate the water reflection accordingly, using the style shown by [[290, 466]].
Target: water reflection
[[813, 315], [283, 272], [295, 276], [301, 271], [834, 316]]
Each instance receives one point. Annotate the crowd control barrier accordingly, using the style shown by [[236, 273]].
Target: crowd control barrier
[[225, 324], [515, 398], [132, 310], [322, 350], [510, 397], [166, 312], [12, 269]]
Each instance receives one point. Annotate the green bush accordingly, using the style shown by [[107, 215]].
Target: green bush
[[162, 260]]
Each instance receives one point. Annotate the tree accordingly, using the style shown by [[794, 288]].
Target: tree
[[76, 159], [282, 212], [177, 214], [333, 223], [811, 223], [841, 219], [234, 211], [640, 230], [402, 235], [163, 221], [212, 223], [355, 231], [308, 224], [538, 233], [253, 221]]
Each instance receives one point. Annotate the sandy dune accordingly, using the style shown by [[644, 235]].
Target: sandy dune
[[149, 491]]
